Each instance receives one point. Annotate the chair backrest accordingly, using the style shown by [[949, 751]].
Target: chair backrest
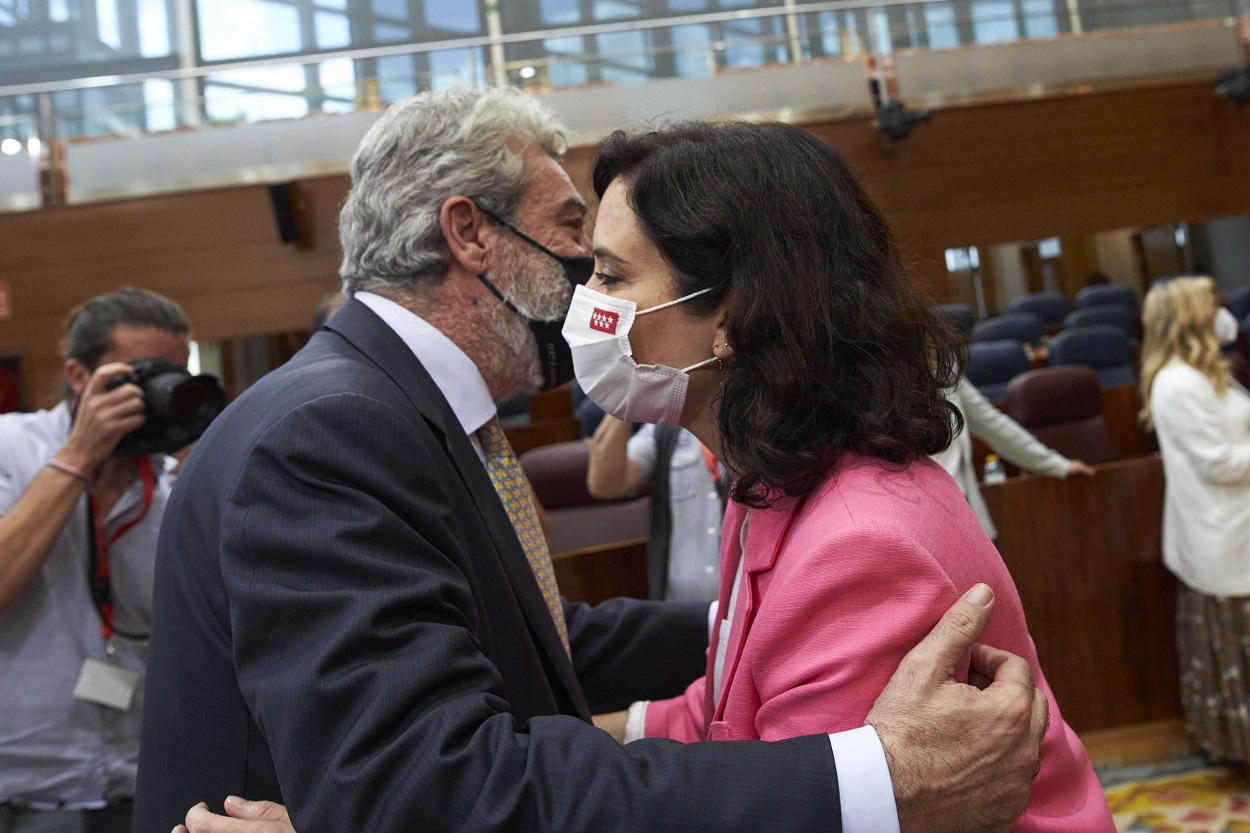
[[1112, 314], [1102, 347], [558, 473], [1026, 327], [992, 364], [961, 314], [1239, 303], [1051, 307], [1110, 293], [1062, 407]]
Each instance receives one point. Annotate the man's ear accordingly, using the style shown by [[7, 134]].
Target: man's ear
[[467, 233], [76, 376]]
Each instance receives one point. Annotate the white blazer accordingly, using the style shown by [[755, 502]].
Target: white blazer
[[1005, 436], [1205, 441]]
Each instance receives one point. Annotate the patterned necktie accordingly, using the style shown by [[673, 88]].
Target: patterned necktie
[[509, 481]]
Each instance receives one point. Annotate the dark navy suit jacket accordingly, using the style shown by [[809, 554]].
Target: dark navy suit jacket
[[345, 621]]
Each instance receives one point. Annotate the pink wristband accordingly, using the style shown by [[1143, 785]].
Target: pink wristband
[[72, 471]]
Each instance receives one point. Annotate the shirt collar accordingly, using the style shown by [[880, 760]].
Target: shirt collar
[[453, 372]]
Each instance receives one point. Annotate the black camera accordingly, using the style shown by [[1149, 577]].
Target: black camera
[[178, 406]]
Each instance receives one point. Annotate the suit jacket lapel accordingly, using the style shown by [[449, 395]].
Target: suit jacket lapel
[[369, 334]]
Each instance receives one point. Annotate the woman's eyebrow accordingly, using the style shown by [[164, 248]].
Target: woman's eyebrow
[[608, 254]]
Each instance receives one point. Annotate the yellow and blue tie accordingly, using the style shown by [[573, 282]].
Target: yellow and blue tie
[[509, 481]]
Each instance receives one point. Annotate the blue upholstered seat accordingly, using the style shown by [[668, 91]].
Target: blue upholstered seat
[[1025, 327], [1103, 347], [1110, 293], [1114, 315], [1051, 307], [992, 364]]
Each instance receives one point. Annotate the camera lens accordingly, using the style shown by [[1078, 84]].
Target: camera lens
[[189, 401]]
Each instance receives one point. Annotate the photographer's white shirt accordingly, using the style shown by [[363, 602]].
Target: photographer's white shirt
[[56, 750]]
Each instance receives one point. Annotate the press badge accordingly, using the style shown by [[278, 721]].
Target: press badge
[[108, 685]]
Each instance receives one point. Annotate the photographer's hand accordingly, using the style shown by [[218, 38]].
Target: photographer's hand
[[32, 524], [103, 417]]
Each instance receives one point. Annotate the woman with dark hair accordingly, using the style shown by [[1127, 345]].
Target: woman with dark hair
[[749, 256]]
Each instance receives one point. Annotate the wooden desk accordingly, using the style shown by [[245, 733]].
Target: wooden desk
[[1085, 555], [596, 574]]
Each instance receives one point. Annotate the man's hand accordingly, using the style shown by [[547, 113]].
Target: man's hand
[[242, 816], [961, 757], [103, 417]]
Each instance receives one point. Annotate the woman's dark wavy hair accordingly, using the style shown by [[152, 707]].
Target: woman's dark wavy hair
[[834, 349]]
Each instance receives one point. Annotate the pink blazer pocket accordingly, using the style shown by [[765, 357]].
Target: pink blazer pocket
[[719, 730]]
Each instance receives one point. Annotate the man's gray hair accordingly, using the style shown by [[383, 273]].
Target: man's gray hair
[[419, 154]]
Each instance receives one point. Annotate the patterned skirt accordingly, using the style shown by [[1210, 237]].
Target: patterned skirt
[[1213, 646]]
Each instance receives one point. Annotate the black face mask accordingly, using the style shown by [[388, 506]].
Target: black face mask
[[554, 357]]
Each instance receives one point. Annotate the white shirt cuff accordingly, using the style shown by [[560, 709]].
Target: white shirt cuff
[[636, 721], [711, 620], [864, 785]]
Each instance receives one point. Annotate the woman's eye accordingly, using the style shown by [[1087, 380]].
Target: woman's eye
[[607, 278]]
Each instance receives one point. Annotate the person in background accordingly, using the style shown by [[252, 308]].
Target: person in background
[[688, 491], [748, 290], [1007, 438], [72, 663], [1202, 419]]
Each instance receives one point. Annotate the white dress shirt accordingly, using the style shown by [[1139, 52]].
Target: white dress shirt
[[867, 794]]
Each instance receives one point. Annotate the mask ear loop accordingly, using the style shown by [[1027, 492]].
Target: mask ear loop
[[674, 302]]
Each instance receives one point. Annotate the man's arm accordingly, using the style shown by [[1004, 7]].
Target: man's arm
[[32, 524], [961, 757]]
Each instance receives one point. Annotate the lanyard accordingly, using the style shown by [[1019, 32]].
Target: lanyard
[[98, 543], [719, 481]]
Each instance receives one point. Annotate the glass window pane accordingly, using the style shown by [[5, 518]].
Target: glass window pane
[[245, 28], [332, 30], [1039, 19], [158, 98], [58, 10], [396, 77], [394, 9], [153, 28], [338, 78], [453, 15], [225, 104], [615, 10], [289, 78], [450, 67], [681, 6], [625, 49], [390, 33], [940, 22], [560, 12], [693, 55], [107, 25], [332, 4], [994, 21], [565, 73]]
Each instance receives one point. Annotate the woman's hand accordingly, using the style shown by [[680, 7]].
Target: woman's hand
[[1080, 467], [242, 816]]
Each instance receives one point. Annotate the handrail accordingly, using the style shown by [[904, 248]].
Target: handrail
[[479, 41]]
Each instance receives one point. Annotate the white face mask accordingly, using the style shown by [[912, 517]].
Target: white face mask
[[1225, 327], [597, 330]]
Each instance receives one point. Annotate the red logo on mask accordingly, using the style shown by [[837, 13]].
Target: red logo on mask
[[604, 321]]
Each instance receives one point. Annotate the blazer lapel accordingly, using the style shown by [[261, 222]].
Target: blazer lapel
[[369, 334], [766, 533]]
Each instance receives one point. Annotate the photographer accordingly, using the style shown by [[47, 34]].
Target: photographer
[[72, 650]]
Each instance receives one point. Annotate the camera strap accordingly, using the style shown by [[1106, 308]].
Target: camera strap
[[98, 543]]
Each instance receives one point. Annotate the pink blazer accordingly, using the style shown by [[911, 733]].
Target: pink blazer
[[834, 594]]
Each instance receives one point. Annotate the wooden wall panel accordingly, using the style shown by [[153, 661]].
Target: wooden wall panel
[[1085, 556], [978, 175]]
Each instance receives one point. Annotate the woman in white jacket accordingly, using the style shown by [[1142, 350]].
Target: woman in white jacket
[[1008, 439], [1202, 418]]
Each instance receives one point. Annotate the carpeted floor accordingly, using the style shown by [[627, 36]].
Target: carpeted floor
[[1206, 801]]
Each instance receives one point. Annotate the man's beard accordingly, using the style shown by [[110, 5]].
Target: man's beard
[[536, 285]]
